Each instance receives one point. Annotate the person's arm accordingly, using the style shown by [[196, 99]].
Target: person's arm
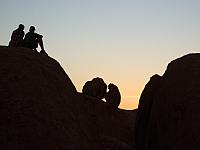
[[39, 36]]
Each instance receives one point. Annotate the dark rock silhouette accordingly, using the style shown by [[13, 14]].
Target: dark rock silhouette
[[100, 87], [40, 108], [113, 97], [88, 89], [144, 112], [114, 144], [95, 88], [170, 108]]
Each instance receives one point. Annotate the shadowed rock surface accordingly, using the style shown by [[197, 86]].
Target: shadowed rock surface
[[40, 109], [169, 109], [144, 111]]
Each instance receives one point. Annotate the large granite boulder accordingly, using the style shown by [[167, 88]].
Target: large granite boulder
[[144, 111], [113, 97], [169, 109], [95, 88], [40, 108]]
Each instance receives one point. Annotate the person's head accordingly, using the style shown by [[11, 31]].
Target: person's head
[[32, 29], [21, 27]]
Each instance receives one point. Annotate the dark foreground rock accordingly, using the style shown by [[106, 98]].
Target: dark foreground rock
[[40, 109], [169, 110]]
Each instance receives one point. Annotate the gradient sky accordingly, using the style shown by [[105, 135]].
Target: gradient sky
[[123, 41]]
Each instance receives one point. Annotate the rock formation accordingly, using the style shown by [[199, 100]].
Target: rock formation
[[168, 114], [95, 88], [40, 108], [144, 111], [88, 89], [113, 97]]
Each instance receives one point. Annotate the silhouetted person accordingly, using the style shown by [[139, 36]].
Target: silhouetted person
[[17, 37], [32, 40]]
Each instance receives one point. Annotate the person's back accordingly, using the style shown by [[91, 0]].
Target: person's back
[[17, 37]]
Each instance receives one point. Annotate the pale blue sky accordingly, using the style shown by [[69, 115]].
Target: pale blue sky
[[122, 41]]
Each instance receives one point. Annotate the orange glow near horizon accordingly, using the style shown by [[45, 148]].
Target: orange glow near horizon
[[129, 102]]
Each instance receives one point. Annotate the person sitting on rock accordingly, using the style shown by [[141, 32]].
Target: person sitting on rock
[[32, 40], [113, 97], [17, 37]]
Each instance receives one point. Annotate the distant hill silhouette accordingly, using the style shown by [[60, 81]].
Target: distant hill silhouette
[[40, 109], [168, 116]]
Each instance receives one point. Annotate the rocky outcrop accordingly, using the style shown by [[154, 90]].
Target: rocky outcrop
[[144, 111], [168, 113], [111, 126], [41, 109], [113, 96], [95, 88]]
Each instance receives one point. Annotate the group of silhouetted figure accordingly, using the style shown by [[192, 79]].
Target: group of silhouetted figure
[[97, 88], [30, 40]]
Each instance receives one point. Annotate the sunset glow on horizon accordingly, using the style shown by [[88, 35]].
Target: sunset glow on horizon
[[125, 42]]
